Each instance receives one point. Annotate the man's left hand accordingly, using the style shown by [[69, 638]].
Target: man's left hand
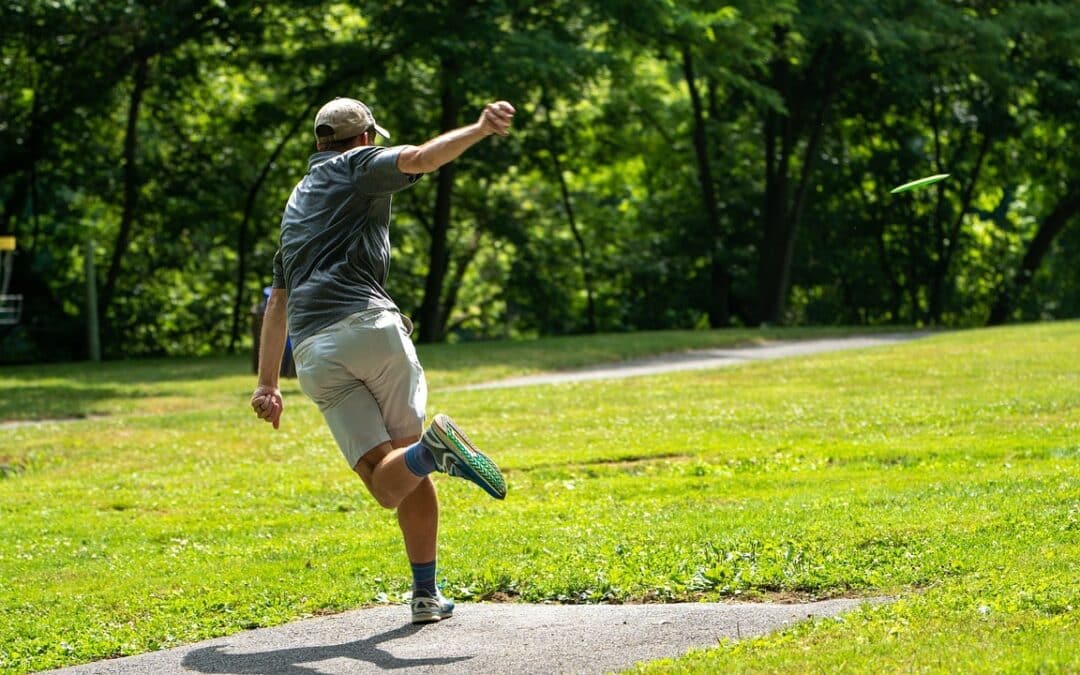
[[268, 404]]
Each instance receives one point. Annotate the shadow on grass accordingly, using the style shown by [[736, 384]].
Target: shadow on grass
[[56, 401], [288, 661], [134, 371], [78, 390]]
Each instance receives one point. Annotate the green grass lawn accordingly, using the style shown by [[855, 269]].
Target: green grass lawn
[[943, 472]]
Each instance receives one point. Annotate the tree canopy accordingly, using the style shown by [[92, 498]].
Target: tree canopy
[[674, 163]]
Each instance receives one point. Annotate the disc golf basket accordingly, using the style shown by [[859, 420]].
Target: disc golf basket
[[10, 305]]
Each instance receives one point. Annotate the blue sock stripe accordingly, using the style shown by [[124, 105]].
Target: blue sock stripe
[[419, 460], [424, 576]]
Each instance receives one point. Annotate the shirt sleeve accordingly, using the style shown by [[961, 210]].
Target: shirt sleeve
[[375, 170], [279, 271]]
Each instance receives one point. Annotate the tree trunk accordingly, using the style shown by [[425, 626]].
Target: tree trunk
[[948, 241], [568, 206], [430, 308], [783, 211], [798, 207], [456, 278], [777, 130], [242, 244], [1053, 225], [131, 183], [720, 281], [885, 263], [583, 254]]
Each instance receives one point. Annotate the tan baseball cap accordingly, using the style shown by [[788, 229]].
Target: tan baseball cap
[[344, 118]]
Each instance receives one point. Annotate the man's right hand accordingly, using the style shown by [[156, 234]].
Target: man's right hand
[[448, 146], [496, 118]]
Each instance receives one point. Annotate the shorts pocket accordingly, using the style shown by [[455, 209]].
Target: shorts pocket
[[304, 376], [311, 367], [399, 348], [367, 318]]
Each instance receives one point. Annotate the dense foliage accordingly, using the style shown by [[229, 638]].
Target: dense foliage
[[675, 163]]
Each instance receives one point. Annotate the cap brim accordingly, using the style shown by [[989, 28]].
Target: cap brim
[[382, 132]]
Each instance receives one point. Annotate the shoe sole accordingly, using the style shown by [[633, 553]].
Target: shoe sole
[[430, 618], [463, 449]]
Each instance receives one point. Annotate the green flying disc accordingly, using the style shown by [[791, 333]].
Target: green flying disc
[[929, 180]]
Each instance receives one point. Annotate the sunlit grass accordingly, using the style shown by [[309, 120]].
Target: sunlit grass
[[944, 472]]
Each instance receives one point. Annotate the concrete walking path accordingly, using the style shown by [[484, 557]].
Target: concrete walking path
[[699, 359], [480, 638]]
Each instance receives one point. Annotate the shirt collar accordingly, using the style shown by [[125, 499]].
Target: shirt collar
[[320, 157]]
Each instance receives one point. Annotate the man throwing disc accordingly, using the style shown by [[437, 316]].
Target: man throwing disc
[[353, 354]]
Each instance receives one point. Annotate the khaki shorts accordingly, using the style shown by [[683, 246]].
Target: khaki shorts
[[364, 375]]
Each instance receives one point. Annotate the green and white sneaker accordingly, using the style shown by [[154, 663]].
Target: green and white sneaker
[[455, 454], [429, 609]]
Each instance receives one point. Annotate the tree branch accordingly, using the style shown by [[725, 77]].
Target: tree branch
[[131, 183]]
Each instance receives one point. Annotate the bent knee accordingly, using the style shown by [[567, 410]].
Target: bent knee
[[405, 441], [385, 499], [382, 497], [370, 459]]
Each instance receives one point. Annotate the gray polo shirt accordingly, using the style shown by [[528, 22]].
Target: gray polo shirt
[[334, 252]]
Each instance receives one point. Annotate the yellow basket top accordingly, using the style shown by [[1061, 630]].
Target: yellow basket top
[[7, 243]]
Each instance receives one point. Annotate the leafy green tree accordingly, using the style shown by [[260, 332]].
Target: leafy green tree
[[461, 55], [1047, 45], [675, 163]]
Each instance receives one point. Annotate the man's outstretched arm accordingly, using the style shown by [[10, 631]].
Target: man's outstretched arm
[[267, 401], [447, 147]]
